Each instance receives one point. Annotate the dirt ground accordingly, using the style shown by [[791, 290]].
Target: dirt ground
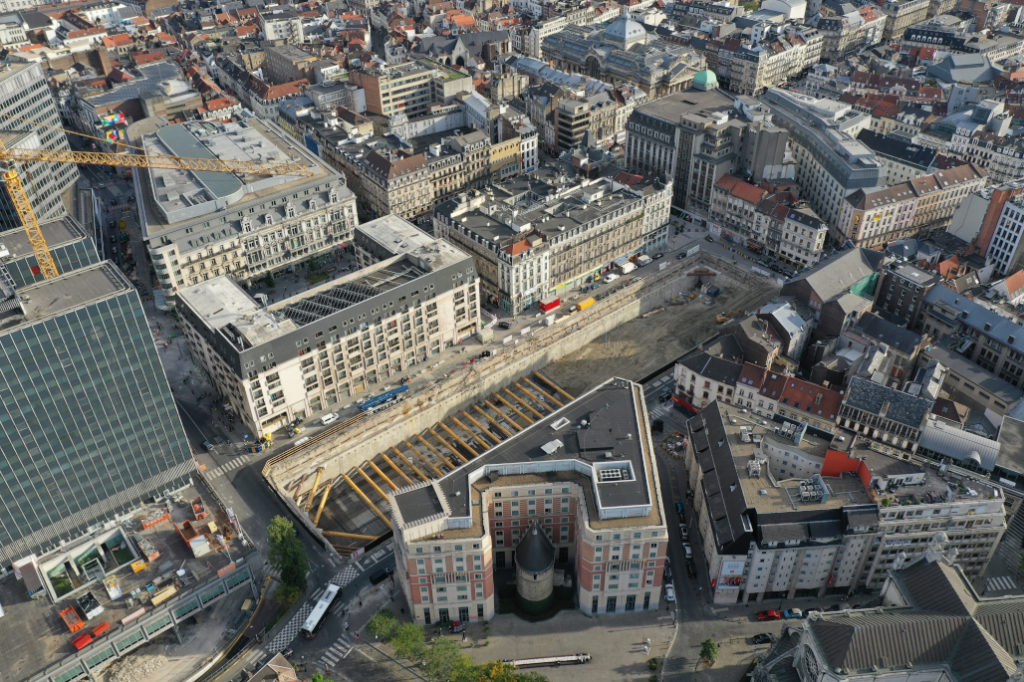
[[641, 346], [165, 659]]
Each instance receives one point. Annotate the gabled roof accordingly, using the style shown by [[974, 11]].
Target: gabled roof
[[716, 369], [833, 276], [811, 398]]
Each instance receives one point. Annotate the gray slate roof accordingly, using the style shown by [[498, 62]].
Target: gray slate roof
[[535, 553], [833, 276], [945, 626], [900, 338], [708, 366], [902, 407]]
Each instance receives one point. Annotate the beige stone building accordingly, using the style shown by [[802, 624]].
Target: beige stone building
[[770, 60], [526, 248], [876, 217], [346, 338], [404, 88], [198, 226]]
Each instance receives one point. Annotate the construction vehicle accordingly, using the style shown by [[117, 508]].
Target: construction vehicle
[[9, 173], [722, 318]]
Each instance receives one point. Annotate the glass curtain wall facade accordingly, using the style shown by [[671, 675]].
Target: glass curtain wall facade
[[88, 425]]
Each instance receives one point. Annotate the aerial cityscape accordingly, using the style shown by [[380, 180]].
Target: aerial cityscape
[[512, 341]]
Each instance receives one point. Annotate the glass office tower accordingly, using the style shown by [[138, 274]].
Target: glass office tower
[[88, 426]]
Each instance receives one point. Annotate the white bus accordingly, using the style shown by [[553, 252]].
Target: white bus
[[319, 613]]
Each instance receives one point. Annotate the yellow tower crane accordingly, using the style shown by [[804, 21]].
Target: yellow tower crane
[[9, 173]]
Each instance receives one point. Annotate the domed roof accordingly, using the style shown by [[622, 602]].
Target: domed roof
[[535, 552], [626, 31], [705, 80]]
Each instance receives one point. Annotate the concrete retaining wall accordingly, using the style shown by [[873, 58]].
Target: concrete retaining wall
[[464, 387]]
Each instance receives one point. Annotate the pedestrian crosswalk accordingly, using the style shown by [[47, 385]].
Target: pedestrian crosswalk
[[341, 648], [235, 463], [1002, 583], [291, 629], [660, 410]]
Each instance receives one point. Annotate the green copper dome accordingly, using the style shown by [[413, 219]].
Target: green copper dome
[[705, 80]]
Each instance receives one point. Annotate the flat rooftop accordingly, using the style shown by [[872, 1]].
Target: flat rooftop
[[404, 251], [677, 105], [58, 232], [57, 296], [176, 197], [599, 439]]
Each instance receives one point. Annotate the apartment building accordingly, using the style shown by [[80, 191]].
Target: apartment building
[[547, 233], [199, 225], [837, 289], [783, 514], [770, 59], [287, 63], [900, 15], [282, 25], [389, 175], [405, 88], [696, 137], [413, 297], [602, 517], [1004, 251], [981, 335], [844, 34], [770, 224], [901, 290], [927, 203]]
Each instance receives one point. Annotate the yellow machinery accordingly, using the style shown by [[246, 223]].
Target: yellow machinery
[[8, 158]]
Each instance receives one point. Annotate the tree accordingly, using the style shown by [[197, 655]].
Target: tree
[[383, 624], [408, 641], [709, 651], [441, 659], [287, 554], [318, 677]]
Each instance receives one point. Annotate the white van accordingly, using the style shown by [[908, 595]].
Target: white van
[[329, 418], [304, 439]]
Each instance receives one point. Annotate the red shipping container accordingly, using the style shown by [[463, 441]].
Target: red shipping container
[[81, 641], [549, 304]]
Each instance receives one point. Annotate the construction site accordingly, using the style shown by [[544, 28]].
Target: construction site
[[338, 483]]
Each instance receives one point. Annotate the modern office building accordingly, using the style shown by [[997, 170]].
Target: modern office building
[[783, 513], [831, 163], [584, 476], [88, 425], [70, 245], [695, 137], [201, 225], [25, 96], [411, 297], [542, 234]]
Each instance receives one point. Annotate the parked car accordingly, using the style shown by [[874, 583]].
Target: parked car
[[681, 256], [658, 255], [610, 277], [679, 507], [708, 238], [691, 569], [687, 550], [668, 572], [792, 613], [486, 354], [684, 532], [771, 614], [457, 626], [329, 418], [670, 593], [761, 638], [505, 324]]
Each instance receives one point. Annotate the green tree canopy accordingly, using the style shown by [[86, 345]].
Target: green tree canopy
[[709, 651], [383, 624], [287, 554], [408, 641]]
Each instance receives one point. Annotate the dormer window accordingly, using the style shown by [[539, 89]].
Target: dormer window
[[268, 219]]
